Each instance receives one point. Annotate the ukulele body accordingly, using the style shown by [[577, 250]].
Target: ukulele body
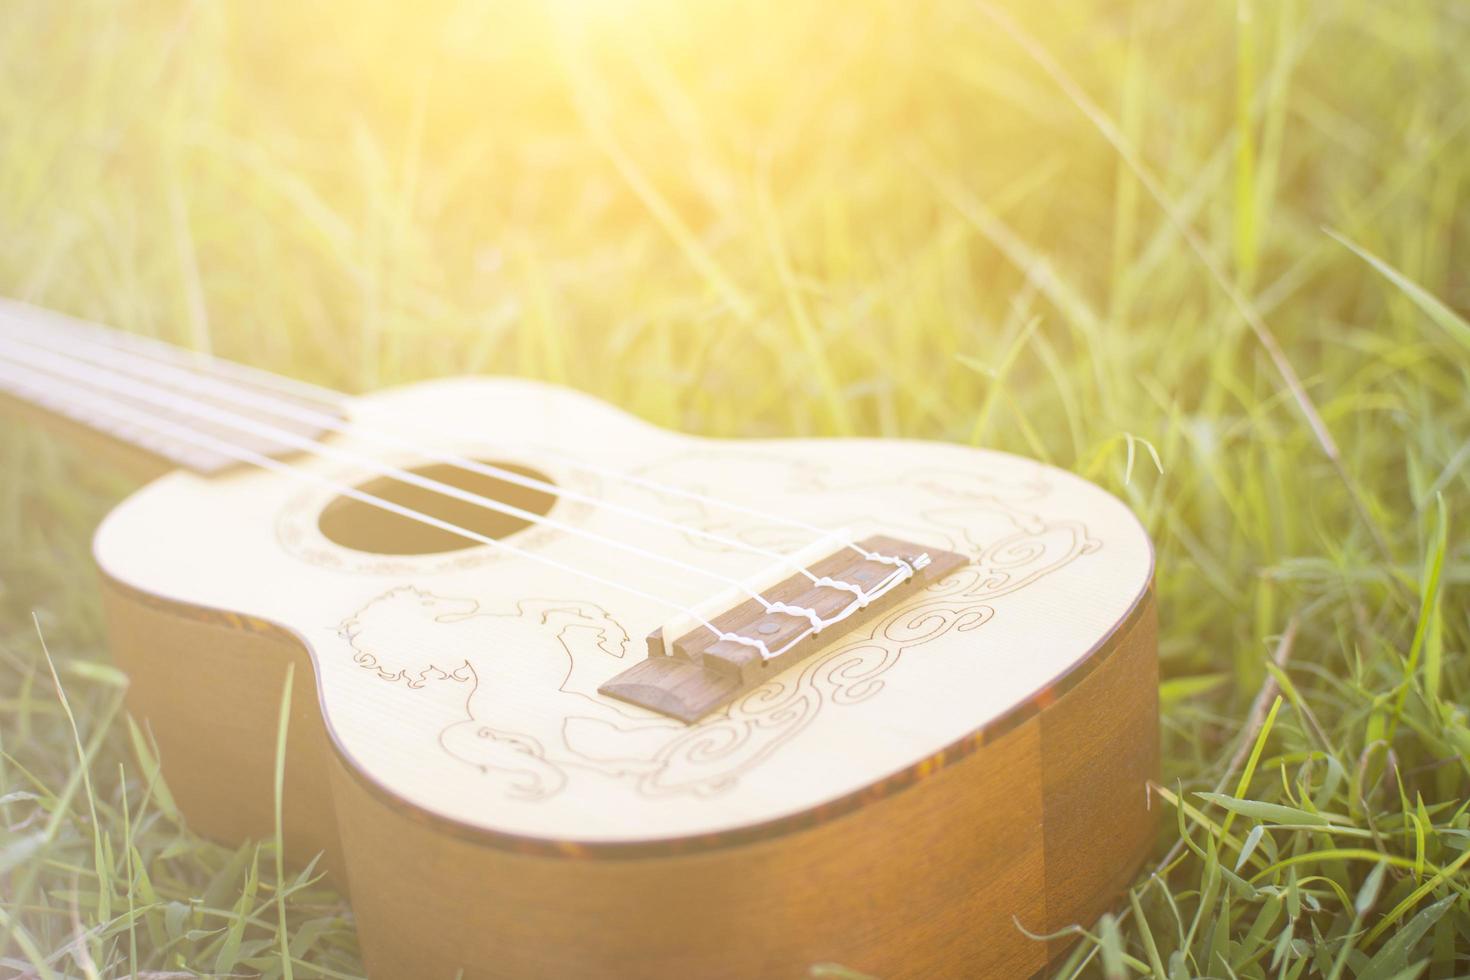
[[973, 760]]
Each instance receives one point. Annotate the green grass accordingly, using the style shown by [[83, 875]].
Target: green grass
[[1209, 254]]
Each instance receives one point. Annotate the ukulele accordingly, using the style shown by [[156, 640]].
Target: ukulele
[[572, 695]]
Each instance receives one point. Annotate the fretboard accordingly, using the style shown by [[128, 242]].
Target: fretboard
[[178, 407]]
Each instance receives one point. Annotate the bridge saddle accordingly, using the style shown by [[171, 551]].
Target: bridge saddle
[[690, 671]]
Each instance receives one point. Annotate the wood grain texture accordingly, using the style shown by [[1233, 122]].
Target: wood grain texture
[[922, 883], [208, 687], [1100, 743]]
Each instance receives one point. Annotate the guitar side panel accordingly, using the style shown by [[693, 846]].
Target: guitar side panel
[[1100, 749], [922, 883], [207, 685]]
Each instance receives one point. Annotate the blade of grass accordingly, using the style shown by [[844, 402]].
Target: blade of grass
[[283, 724], [104, 882], [1445, 318]]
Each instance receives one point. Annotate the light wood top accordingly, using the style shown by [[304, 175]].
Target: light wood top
[[465, 683]]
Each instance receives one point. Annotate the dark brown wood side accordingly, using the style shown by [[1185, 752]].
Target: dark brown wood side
[[920, 884], [1100, 741]]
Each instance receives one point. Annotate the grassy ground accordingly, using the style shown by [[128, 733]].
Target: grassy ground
[[1207, 254]]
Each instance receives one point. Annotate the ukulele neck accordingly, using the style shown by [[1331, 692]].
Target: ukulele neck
[[82, 380]]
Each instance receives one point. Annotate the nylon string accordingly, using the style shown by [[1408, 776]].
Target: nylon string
[[51, 364]]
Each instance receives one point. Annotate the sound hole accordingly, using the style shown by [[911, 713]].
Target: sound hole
[[361, 526]]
